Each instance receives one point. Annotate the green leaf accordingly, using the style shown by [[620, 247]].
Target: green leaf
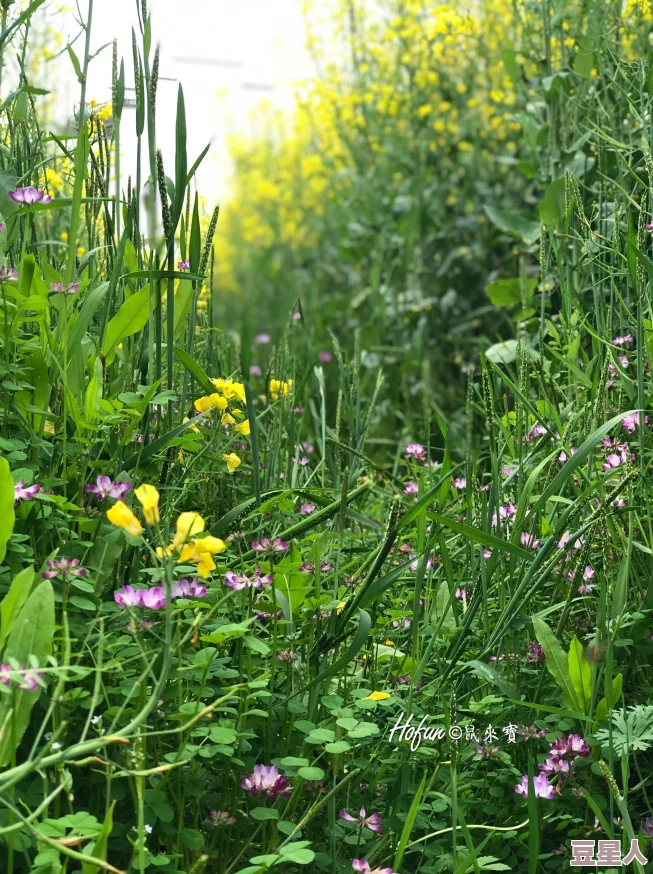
[[556, 662], [409, 823], [584, 60], [181, 159], [183, 301], [552, 206], [311, 773], [7, 514], [13, 601], [262, 813], [580, 673], [602, 709], [191, 838], [514, 224], [340, 746], [508, 292], [199, 375], [31, 635], [364, 626], [300, 856], [130, 319], [98, 849]]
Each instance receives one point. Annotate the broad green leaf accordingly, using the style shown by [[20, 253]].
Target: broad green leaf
[[13, 601], [7, 514], [513, 223], [130, 319], [508, 292], [552, 205], [556, 662], [602, 707], [580, 673], [31, 635]]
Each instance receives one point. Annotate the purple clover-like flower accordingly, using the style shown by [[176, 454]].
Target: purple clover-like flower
[[415, 451], [105, 488], [459, 482], [411, 488], [271, 546], [8, 273], [29, 196], [154, 598], [242, 581], [307, 509], [61, 288], [25, 493], [188, 589], [535, 653], [647, 826], [541, 785], [324, 357], [372, 822], [266, 780], [631, 422], [308, 567], [535, 432], [621, 340], [221, 818], [128, 597], [183, 265], [461, 593], [30, 677], [63, 567], [255, 370], [287, 655], [364, 867]]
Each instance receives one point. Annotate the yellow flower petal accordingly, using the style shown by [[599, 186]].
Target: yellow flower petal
[[188, 525], [243, 428], [232, 461], [122, 517], [148, 498], [377, 696]]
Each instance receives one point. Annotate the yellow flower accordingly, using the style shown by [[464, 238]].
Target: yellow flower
[[227, 419], [210, 402], [191, 427], [237, 413], [188, 525], [243, 428], [201, 552], [148, 498], [122, 517], [235, 390], [232, 461], [377, 696], [389, 643], [81, 251], [64, 236]]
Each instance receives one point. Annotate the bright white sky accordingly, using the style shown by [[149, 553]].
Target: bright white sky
[[228, 55]]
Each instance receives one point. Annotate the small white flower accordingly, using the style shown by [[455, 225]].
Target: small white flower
[[148, 829], [95, 720], [56, 746]]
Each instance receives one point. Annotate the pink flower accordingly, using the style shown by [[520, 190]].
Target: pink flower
[[627, 338], [364, 867], [563, 455], [372, 822], [105, 488], [307, 509], [188, 589], [554, 765], [505, 513], [63, 567], [242, 581], [30, 678], [415, 451], [429, 564], [220, 818], [60, 288], [459, 482], [308, 567], [529, 541], [302, 462], [29, 196], [287, 655], [25, 494], [272, 547], [461, 593], [536, 431], [266, 780], [411, 488], [31, 681], [263, 339], [8, 273], [541, 785], [535, 653], [154, 598], [128, 597], [183, 265], [296, 317], [324, 357], [631, 422], [254, 370]]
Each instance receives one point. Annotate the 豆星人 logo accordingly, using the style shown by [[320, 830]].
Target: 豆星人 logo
[[585, 855]]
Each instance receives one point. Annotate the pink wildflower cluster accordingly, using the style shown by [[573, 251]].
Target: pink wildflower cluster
[[266, 780], [154, 598], [22, 677]]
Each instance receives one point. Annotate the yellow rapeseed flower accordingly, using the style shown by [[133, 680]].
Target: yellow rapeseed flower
[[148, 498], [210, 402], [232, 461], [122, 517], [243, 428]]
